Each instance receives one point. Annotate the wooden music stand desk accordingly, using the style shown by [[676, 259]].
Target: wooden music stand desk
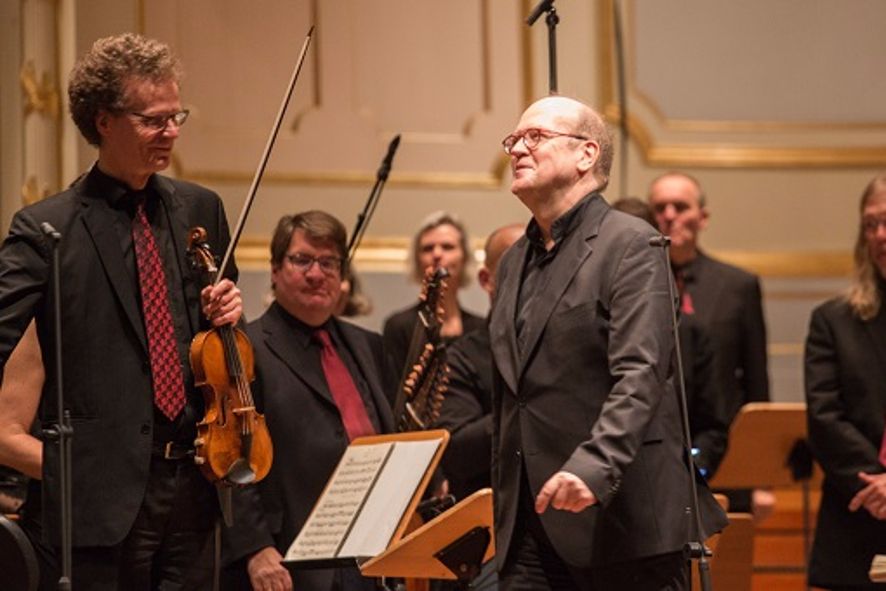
[[766, 438], [419, 553]]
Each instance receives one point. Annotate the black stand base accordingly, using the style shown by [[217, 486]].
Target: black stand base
[[464, 556]]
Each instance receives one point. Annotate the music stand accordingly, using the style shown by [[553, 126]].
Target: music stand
[[767, 449], [453, 545]]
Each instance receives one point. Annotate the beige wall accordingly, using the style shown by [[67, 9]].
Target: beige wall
[[776, 107]]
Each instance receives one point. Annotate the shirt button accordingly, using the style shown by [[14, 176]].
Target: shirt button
[[145, 429]]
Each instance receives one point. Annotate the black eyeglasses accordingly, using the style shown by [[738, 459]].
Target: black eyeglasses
[[303, 262], [532, 137], [161, 122]]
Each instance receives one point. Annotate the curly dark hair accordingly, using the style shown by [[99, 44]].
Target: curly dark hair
[[99, 78]]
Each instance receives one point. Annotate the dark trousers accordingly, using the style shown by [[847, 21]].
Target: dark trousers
[[532, 564], [169, 548]]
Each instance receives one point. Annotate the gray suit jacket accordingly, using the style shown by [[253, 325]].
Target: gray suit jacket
[[590, 394]]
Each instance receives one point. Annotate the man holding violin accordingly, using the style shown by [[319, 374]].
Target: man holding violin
[[320, 382], [130, 305]]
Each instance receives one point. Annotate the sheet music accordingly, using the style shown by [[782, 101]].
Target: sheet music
[[878, 569], [333, 516], [389, 498]]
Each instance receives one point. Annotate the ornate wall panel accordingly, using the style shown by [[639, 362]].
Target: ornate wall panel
[[713, 83], [444, 75]]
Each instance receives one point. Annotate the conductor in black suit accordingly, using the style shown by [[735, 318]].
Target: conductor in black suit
[[142, 513], [590, 479], [303, 354], [725, 300], [846, 404]]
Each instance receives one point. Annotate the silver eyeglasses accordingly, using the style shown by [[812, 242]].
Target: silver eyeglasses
[[161, 122], [303, 262], [532, 137]]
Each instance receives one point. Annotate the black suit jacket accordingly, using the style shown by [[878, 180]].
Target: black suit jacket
[[704, 396], [308, 435], [106, 368], [398, 329], [845, 376], [590, 394], [467, 414], [728, 304]]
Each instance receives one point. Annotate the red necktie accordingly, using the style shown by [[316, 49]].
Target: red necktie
[[344, 392], [686, 306], [883, 450], [166, 371]]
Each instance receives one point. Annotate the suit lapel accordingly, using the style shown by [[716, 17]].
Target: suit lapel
[[876, 332], [290, 352], [362, 352], [502, 333], [574, 250], [99, 221], [180, 231]]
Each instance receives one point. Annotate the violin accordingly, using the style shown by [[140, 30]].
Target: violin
[[233, 444]]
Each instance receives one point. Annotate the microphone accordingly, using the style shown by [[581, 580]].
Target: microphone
[[385, 169], [49, 231], [540, 9], [660, 240]]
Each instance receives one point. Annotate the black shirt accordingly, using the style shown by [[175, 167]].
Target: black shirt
[[304, 335], [537, 266]]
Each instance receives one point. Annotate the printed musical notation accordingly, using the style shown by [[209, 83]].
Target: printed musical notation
[[336, 510]]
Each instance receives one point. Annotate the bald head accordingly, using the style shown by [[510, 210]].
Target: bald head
[[497, 243], [580, 119]]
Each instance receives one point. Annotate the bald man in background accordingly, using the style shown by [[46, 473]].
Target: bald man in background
[[726, 301], [467, 407]]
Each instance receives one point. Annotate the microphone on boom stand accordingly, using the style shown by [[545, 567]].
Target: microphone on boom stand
[[694, 548], [381, 178], [61, 431]]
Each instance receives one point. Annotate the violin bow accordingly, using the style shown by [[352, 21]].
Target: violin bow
[[250, 197]]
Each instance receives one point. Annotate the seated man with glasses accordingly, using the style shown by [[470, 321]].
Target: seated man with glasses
[[320, 382]]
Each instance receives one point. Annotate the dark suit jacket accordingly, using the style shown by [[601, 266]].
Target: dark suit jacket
[[845, 374], [106, 368], [728, 304], [308, 435], [590, 394], [398, 329], [467, 414], [704, 396]]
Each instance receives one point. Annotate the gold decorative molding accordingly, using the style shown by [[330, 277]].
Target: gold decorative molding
[[719, 154], [40, 97], [31, 192], [391, 254], [492, 180], [727, 155]]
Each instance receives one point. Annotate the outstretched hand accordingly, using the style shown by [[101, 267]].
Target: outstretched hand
[[872, 497], [564, 491]]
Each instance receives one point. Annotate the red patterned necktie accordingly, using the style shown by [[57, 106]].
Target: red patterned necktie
[[344, 392], [166, 371], [686, 306]]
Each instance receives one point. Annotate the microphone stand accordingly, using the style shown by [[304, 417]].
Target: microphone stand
[[374, 195], [62, 430], [694, 548], [552, 20]]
